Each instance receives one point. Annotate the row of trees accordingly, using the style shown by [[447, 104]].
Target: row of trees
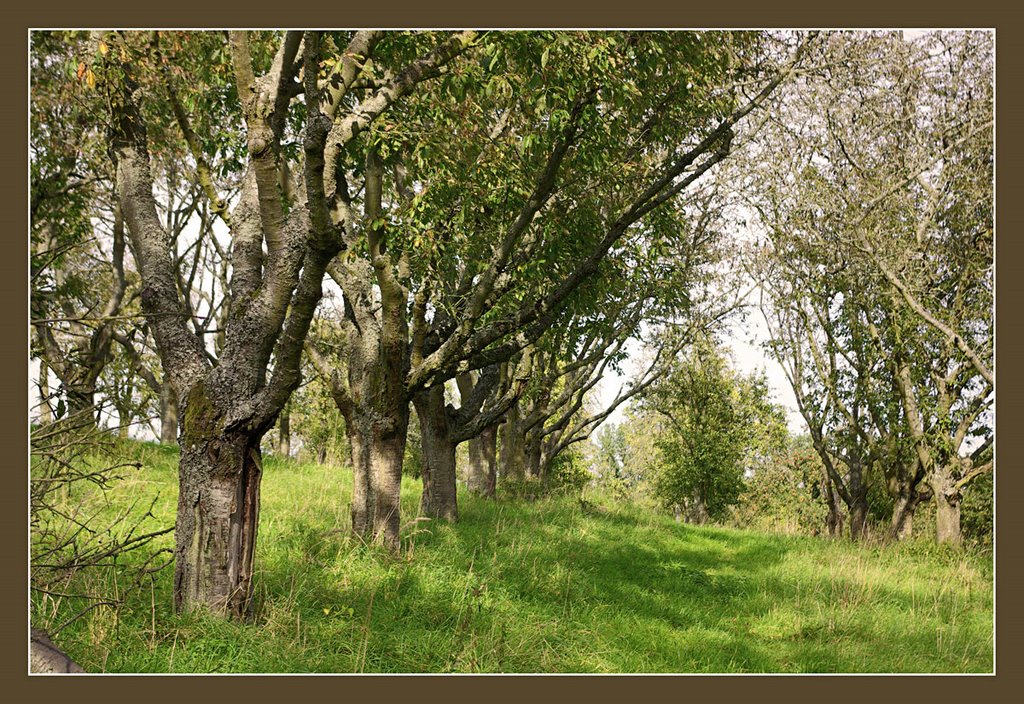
[[707, 443], [425, 219], [877, 265], [868, 189], [498, 210]]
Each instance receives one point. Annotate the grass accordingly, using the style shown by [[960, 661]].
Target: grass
[[545, 586]]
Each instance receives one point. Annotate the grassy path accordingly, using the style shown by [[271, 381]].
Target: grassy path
[[548, 586]]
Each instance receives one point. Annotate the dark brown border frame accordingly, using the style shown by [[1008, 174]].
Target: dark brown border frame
[[522, 14]]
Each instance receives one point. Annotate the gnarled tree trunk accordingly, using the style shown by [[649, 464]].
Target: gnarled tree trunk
[[218, 511], [512, 458]]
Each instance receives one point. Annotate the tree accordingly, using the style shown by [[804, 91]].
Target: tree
[[790, 491], [231, 399], [882, 227], [719, 423], [457, 274]]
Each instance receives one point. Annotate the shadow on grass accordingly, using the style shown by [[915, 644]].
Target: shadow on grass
[[547, 586]]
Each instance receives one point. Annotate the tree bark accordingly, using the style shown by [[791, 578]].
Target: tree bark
[[834, 517], [697, 512], [168, 415], [218, 512], [908, 496], [534, 457], [362, 507], [81, 399], [483, 466], [947, 509], [903, 517], [45, 411], [512, 459], [859, 518], [284, 433], [439, 499], [386, 454]]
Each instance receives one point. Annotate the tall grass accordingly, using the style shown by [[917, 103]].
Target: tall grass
[[553, 585]]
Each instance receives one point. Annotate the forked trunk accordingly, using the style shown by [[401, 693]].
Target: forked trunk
[[218, 514], [904, 507], [483, 465], [439, 483], [902, 518]]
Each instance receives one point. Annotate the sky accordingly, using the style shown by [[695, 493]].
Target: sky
[[744, 338]]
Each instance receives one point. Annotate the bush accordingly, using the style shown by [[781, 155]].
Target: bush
[[569, 473]]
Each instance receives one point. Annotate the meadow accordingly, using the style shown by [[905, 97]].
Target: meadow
[[557, 584]]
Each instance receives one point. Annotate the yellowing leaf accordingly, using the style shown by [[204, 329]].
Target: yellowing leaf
[[90, 78], [104, 48]]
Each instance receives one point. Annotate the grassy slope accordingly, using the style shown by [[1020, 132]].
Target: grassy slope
[[542, 587]]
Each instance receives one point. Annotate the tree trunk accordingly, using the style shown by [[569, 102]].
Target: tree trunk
[[512, 458], [947, 510], [82, 400], [902, 526], [386, 454], [377, 421], [834, 517], [483, 462], [45, 411], [858, 505], [904, 507], [218, 512], [44, 656], [534, 457], [439, 483], [361, 508], [698, 513], [168, 415], [859, 518], [284, 434]]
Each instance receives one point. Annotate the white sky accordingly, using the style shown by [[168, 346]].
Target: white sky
[[744, 338]]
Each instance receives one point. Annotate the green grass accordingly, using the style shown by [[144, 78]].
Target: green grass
[[544, 586]]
